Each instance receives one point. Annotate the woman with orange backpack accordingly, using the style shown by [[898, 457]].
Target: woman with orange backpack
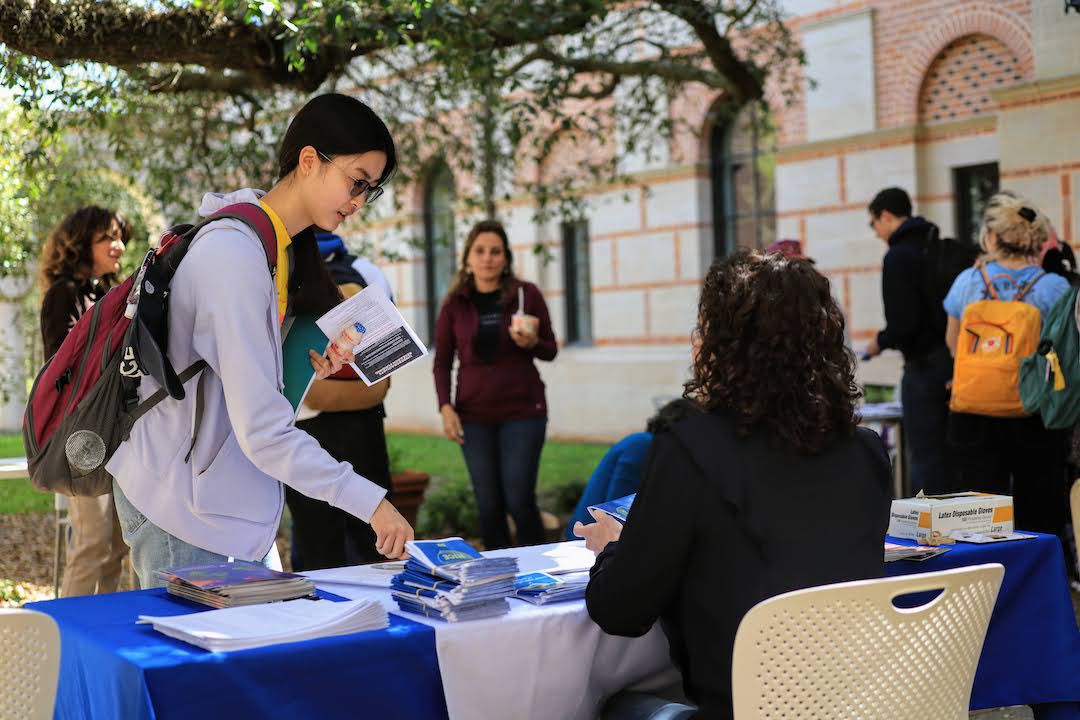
[[996, 312]]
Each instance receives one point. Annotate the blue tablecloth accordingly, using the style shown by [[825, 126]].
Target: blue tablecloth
[[111, 668], [1032, 650]]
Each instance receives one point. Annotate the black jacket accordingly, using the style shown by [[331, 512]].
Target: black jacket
[[723, 522], [61, 307], [914, 322]]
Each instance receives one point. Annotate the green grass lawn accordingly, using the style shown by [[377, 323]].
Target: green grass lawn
[[439, 456], [564, 468], [19, 496]]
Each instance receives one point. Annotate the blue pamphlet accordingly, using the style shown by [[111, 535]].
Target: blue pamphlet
[[442, 553], [540, 588], [618, 508]]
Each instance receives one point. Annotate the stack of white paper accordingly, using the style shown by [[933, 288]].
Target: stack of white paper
[[251, 626], [376, 575]]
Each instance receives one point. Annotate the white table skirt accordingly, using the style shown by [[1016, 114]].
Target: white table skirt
[[536, 662]]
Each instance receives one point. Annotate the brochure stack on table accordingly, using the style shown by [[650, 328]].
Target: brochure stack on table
[[540, 588], [449, 580], [231, 584]]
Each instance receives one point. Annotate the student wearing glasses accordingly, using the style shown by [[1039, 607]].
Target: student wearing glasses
[[225, 500], [79, 263]]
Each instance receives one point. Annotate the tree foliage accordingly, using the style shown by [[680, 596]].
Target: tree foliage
[[187, 96]]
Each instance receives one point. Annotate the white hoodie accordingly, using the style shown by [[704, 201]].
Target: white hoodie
[[228, 498]]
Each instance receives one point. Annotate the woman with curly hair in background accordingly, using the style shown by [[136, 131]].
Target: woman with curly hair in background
[[79, 263], [730, 506]]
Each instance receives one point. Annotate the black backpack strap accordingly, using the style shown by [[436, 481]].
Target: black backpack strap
[[148, 404], [198, 415]]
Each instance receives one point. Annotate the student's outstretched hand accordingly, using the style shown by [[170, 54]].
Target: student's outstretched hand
[[597, 535], [325, 366], [392, 531]]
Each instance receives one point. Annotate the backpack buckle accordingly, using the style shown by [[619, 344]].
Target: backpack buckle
[[63, 380]]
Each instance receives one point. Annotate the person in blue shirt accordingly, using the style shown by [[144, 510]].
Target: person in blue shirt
[[991, 451], [619, 472]]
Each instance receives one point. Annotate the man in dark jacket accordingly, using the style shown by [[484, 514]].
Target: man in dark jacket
[[914, 325]]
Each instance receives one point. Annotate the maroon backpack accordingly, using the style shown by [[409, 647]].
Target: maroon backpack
[[84, 402]]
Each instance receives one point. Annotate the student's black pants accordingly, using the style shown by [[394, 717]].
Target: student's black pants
[[325, 536], [1018, 457]]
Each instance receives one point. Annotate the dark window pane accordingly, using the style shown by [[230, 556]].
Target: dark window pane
[[974, 185], [743, 169], [577, 292]]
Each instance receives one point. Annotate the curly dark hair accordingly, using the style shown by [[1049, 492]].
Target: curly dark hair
[[67, 253], [769, 350]]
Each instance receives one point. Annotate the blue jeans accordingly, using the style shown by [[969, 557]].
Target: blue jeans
[[153, 549], [503, 461], [926, 421], [645, 706]]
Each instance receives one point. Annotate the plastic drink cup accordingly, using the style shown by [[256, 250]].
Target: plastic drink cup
[[522, 322]]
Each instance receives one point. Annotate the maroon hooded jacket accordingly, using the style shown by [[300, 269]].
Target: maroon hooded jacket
[[508, 388]]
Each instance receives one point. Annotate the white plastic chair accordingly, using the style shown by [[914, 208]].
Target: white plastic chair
[[30, 648], [845, 651]]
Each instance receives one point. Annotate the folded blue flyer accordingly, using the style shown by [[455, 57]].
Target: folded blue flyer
[[540, 588], [454, 559], [618, 508]]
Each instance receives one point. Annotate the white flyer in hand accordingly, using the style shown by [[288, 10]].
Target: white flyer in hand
[[388, 343]]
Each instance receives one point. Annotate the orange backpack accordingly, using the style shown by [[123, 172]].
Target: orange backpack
[[995, 336]]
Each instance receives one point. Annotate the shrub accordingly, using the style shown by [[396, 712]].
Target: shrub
[[560, 496], [449, 508]]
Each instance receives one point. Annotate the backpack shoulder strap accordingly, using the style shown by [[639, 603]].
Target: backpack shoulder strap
[[249, 214], [252, 215], [1024, 290], [986, 281]]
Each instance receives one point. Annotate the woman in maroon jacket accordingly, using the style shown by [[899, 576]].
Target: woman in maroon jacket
[[497, 325]]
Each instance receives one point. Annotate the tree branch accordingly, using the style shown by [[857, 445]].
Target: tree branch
[[115, 33], [188, 80], [604, 91], [744, 81], [128, 35], [681, 72]]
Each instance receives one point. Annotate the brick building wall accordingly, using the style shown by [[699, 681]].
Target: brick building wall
[[906, 92]]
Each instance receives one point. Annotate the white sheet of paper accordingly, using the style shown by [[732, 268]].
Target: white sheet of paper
[[389, 343], [374, 575], [553, 558]]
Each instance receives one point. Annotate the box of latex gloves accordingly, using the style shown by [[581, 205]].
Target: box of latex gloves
[[923, 516]]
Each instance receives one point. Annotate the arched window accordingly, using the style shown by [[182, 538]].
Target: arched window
[[438, 239], [743, 170]]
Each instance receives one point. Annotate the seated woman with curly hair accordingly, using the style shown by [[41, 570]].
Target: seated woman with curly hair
[[774, 488]]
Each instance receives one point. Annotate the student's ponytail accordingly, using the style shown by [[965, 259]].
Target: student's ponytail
[[311, 287]]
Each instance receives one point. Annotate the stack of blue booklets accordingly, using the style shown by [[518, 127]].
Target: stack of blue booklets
[[539, 588], [449, 580]]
